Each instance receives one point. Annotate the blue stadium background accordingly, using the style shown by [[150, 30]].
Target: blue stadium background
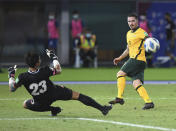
[[155, 14]]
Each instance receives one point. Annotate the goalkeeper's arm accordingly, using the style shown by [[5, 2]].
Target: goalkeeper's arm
[[54, 58], [57, 66], [11, 75], [12, 87]]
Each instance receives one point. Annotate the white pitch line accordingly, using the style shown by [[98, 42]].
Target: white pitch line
[[94, 120]]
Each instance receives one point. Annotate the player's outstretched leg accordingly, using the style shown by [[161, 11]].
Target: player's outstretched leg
[[35, 106], [91, 102]]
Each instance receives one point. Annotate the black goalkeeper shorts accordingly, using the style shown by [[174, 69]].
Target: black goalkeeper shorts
[[59, 93], [62, 93]]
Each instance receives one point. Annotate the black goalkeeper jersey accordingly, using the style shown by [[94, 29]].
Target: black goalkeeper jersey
[[37, 83]]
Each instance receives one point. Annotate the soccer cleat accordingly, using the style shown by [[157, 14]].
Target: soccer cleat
[[55, 111], [117, 100], [106, 109], [148, 106]]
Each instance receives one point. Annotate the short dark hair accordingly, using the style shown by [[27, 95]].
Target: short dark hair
[[133, 15], [31, 58], [168, 14]]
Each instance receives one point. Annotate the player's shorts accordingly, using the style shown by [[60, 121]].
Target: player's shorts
[[134, 69], [62, 93], [59, 93]]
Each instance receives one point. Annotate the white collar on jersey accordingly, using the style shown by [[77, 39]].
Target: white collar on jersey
[[33, 72]]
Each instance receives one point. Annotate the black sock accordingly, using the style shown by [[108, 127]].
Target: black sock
[[90, 102]]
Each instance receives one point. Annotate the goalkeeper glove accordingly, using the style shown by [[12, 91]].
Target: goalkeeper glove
[[51, 55], [11, 71]]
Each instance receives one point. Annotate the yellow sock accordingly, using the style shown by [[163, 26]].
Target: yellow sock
[[121, 81], [143, 93]]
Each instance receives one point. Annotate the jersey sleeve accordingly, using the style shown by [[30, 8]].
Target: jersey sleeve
[[19, 81], [50, 71], [144, 35]]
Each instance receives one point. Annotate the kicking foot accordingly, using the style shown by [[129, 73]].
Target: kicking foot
[[106, 109], [148, 106], [55, 111], [117, 100]]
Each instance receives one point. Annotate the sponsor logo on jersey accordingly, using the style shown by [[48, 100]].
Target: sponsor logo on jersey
[[145, 33]]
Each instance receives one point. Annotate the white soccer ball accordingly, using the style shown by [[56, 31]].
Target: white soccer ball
[[151, 45]]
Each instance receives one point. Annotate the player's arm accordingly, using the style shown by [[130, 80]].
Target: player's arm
[[11, 76], [122, 56], [54, 58]]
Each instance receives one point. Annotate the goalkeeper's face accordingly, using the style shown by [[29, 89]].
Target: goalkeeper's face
[[133, 23]]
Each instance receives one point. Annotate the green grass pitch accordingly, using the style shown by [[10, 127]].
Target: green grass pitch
[[163, 117], [102, 74]]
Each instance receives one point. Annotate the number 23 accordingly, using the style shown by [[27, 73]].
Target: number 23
[[35, 87]]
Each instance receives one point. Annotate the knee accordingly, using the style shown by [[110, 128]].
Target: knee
[[75, 95], [25, 104], [136, 83], [121, 73]]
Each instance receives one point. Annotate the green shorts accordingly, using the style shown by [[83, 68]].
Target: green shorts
[[134, 69]]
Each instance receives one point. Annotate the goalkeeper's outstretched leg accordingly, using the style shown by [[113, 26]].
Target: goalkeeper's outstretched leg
[[86, 100]]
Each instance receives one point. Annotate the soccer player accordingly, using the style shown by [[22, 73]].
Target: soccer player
[[170, 37], [44, 92], [135, 65]]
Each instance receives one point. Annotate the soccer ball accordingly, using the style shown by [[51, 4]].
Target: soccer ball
[[151, 45]]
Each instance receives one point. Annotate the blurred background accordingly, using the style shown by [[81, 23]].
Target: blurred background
[[24, 26]]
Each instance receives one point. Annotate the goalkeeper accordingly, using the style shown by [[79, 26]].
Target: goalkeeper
[[44, 92]]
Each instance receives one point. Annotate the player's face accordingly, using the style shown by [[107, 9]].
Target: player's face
[[132, 22]]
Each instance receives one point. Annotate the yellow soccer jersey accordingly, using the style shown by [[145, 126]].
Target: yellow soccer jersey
[[135, 41]]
